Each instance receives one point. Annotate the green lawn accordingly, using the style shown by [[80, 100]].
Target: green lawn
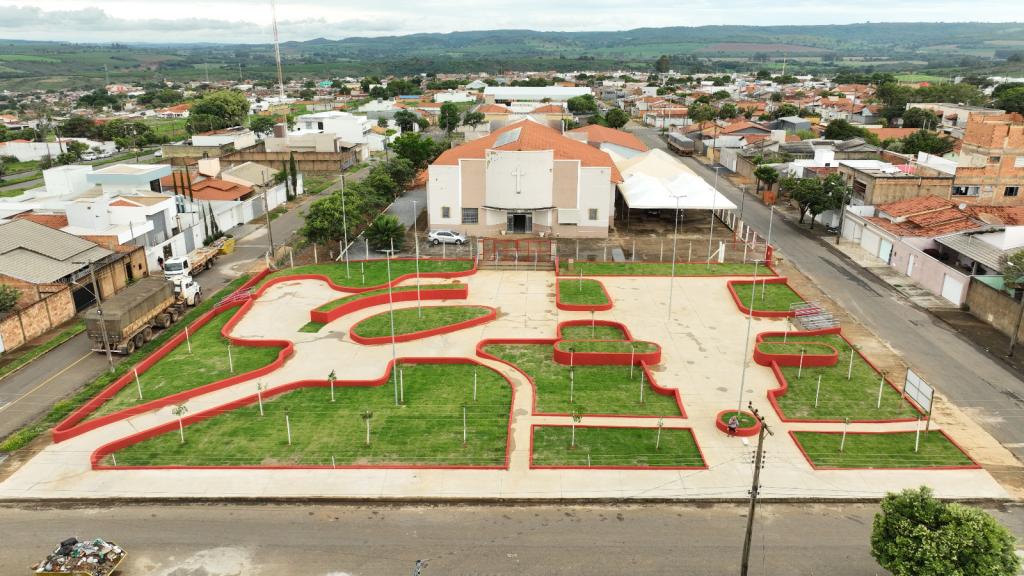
[[317, 183], [791, 347], [375, 270], [770, 297], [180, 370], [746, 420], [172, 128], [426, 430], [598, 332], [840, 398], [598, 389], [312, 327], [581, 292], [552, 446], [657, 269], [890, 450], [620, 346], [341, 301], [409, 320]]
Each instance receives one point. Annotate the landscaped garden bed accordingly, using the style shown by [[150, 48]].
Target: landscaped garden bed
[[426, 430], [748, 425], [855, 398], [881, 450], [600, 447], [582, 294], [337, 308], [181, 370], [335, 304], [595, 389], [657, 269], [772, 297], [373, 273], [412, 323], [596, 331]]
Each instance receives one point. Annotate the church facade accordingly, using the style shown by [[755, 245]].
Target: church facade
[[523, 179]]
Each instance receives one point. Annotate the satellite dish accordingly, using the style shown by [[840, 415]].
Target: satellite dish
[[962, 206]]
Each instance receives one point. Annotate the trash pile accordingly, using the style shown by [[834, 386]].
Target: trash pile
[[93, 558]]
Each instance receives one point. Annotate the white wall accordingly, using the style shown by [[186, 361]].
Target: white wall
[[444, 189], [531, 189], [595, 192]]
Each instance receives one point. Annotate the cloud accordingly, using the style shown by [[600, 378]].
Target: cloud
[[248, 21]]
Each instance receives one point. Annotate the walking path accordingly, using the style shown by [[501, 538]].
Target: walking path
[[703, 341]]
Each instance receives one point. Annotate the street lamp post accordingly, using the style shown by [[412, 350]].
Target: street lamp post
[[711, 234], [391, 312], [344, 222], [416, 240], [270, 229], [746, 342], [672, 278]]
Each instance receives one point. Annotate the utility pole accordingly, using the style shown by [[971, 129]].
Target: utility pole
[[745, 563], [270, 230], [1016, 325], [99, 311]]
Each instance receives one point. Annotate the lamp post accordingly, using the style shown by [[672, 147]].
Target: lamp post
[[344, 222], [711, 234], [416, 240], [672, 278], [391, 312], [746, 342]]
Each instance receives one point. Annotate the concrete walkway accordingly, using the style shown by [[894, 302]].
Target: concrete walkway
[[703, 346]]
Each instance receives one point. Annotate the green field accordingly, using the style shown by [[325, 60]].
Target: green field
[[181, 370], [657, 269], [581, 292], [342, 301], [317, 183], [171, 128], [597, 389], [619, 346], [552, 446], [888, 450], [840, 398], [372, 272], [920, 78], [425, 430], [768, 297], [597, 332], [411, 320]]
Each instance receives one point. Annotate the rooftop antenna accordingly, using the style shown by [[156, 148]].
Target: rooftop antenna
[[277, 51], [107, 72]]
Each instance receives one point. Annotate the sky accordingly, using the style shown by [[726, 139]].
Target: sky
[[248, 21]]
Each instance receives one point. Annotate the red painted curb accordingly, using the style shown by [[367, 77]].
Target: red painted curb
[[731, 285], [556, 467], [809, 360], [394, 281], [551, 341], [103, 451], [73, 424], [369, 341], [774, 393], [627, 335], [973, 466], [426, 293], [724, 427], [604, 358], [582, 307]]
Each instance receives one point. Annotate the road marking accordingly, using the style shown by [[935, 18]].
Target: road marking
[[45, 382]]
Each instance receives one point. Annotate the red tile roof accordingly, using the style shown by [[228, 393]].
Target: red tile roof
[[924, 216], [742, 125], [55, 221], [548, 109], [533, 137], [916, 205], [600, 134], [893, 133], [913, 230], [217, 189], [1005, 215], [493, 109]]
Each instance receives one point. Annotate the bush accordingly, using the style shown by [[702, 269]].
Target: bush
[[9, 296], [385, 230]]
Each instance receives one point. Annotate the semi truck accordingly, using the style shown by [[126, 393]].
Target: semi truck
[[195, 262], [130, 318]]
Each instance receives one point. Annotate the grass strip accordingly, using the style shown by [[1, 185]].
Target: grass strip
[[658, 269], [410, 320], [373, 272], [595, 332], [552, 446], [613, 346], [342, 301], [768, 297], [581, 292], [426, 430], [596, 389], [887, 450]]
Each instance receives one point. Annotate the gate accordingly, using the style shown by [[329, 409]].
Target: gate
[[522, 250]]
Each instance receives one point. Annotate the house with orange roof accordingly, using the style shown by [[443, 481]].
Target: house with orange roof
[[609, 139], [176, 111], [524, 178]]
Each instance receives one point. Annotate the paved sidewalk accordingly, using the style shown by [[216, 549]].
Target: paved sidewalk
[[703, 346]]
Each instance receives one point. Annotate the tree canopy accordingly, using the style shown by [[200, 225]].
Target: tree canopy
[[219, 109], [616, 118], [585, 104], [448, 119]]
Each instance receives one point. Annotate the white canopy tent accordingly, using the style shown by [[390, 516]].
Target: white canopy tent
[[657, 181]]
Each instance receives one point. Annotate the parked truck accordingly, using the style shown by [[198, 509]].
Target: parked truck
[[131, 316], [195, 262]]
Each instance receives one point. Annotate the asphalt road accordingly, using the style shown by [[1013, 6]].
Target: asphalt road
[[338, 540], [29, 393], [991, 394]]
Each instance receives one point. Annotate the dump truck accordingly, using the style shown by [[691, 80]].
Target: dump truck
[[129, 318], [95, 557], [195, 262]]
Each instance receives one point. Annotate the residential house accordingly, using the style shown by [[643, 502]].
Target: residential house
[[990, 166], [953, 118], [610, 140], [176, 111], [879, 182], [540, 94], [523, 178]]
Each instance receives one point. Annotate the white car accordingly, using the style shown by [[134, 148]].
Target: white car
[[436, 237]]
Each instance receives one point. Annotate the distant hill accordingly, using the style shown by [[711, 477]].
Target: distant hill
[[938, 48]]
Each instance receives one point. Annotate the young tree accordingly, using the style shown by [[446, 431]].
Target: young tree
[[9, 296], [382, 122], [180, 410], [418, 149], [293, 168], [915, 534], [765, 174], [576, 413], [616, 118], [367, 416], [448, 119], [405, 120], [473, 118], [262, 125], [385, 230]]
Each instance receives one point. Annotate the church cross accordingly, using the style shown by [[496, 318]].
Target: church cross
[[518, 173]]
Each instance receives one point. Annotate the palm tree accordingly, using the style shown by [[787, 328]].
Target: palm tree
[[385, 230]]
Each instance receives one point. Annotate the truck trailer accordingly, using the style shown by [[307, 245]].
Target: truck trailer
[[130, 317]]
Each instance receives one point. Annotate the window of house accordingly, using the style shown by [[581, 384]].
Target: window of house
[[319, 125], [593, 213], [994, 159], [470, 215], [446, 212], [965, 190], [1011, 190]]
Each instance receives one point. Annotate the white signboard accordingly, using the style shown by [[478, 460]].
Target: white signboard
[[919, 391]]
